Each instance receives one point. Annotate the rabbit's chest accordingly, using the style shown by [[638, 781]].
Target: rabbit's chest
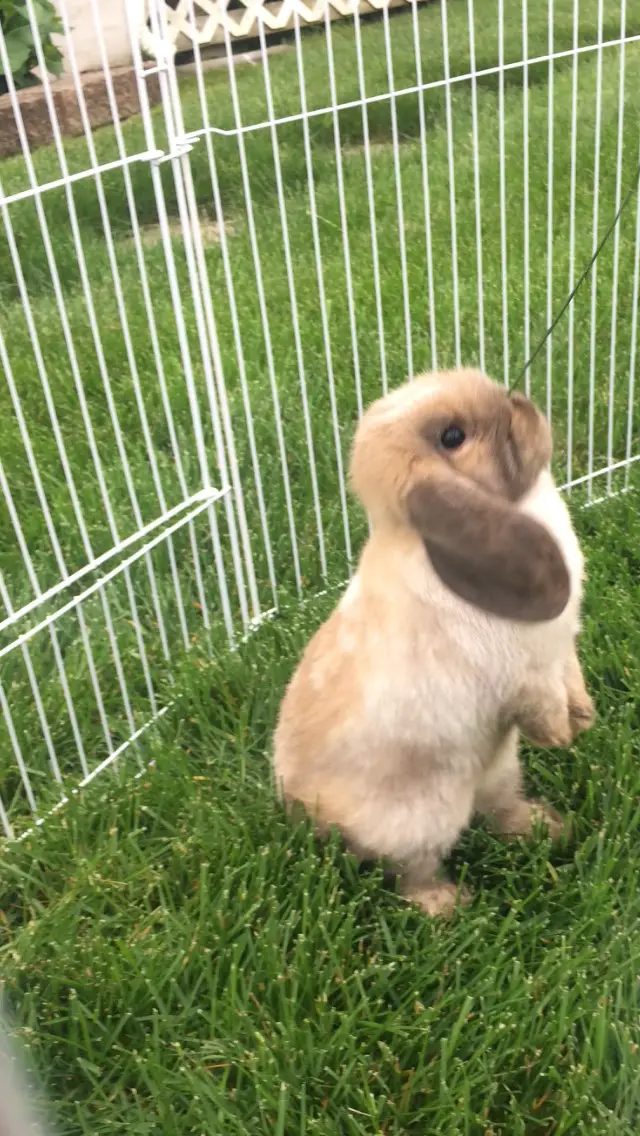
[[428, 687]]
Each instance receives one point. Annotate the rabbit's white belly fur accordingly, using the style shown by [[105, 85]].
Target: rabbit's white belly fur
[[446, 685]]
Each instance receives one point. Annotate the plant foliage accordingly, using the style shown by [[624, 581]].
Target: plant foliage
[[20, 41]]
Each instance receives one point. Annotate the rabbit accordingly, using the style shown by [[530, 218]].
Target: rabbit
[[457, 633]]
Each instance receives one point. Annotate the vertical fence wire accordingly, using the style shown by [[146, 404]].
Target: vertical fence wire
[[452, 182], [33, 682], [477, 197], [102, 364], [342, 205], [53, 634], [176, 449], [122, 308], [293, 299], [373, 230], [178, 312], [237, 336], [426, 200], [395, 144], [635, 305], [69, 343], [262, 303], [17, 751], [4, 816], [181, 329], [46, 512], [130, 353], [504, 264], [324, 320], [593, 324], [525, 178], [616, 244], [572, 240], [37, 697], [550, 159], [102, 367], [215, 386]]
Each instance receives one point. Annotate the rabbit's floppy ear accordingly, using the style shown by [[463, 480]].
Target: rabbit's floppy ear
[[486, 552]]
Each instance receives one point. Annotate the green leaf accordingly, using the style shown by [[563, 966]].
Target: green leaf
[[8, 10], [20, 41], [19, 48], [24, 79], [46, 17], [17, 20], [53, 59], [46, 22]]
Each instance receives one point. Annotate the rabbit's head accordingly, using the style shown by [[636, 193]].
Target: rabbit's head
[[452, 455]]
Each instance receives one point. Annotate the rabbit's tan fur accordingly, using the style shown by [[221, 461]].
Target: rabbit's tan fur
[[457, 632]]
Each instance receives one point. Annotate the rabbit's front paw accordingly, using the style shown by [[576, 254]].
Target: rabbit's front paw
[[523, 818], [582, 713], [547, 730], [438, 899], [542, 816]]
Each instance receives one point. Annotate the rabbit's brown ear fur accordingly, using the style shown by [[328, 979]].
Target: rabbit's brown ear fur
[[487, 552]]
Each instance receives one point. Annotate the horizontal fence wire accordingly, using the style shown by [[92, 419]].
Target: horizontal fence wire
[[101, 583], [191, 136], [195, 320], [200, 500]]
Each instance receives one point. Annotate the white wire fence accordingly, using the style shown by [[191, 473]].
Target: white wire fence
[[197, 304]]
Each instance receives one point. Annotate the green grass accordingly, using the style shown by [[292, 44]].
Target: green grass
[[180, 959], [185, 961]]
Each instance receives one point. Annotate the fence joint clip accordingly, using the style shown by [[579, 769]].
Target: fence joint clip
[[182, 144]]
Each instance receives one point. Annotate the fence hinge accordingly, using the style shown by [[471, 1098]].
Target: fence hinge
[[145, 72], [182, 144]]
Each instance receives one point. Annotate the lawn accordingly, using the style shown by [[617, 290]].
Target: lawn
[[179, 959]]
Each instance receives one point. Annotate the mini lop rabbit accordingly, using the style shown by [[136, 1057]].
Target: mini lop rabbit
[[457, 632]]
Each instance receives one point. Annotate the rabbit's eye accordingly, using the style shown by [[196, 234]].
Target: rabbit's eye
[[452, 437]]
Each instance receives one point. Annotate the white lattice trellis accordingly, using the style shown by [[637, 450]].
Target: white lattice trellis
[[213, 18]]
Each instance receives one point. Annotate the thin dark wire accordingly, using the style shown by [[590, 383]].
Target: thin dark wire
[[623, 205]]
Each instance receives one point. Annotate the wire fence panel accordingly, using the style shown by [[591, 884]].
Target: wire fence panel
[[198, 302]]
